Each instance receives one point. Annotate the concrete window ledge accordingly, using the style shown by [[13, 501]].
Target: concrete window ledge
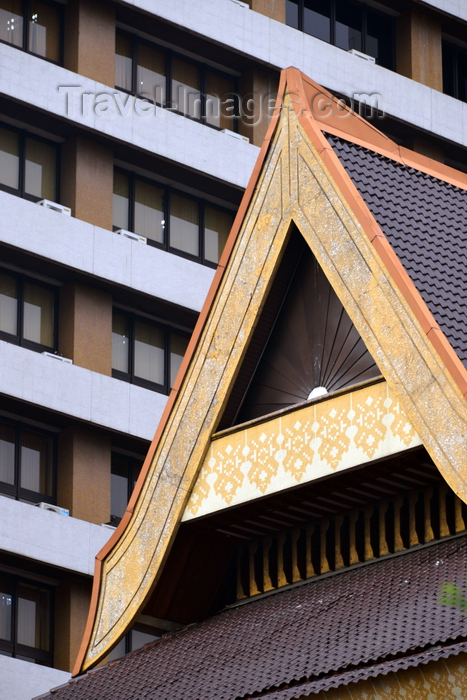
[[78, 392], [58, 540], [95, 251], [21, 680]]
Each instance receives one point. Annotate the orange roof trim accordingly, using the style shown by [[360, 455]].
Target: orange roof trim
[[351, 127]]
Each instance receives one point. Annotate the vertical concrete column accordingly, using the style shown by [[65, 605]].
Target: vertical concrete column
[[258, 90], [83, 473], [85, 328], [86, 182], [90, 40], [419, 48], [275, 9], [72, 601]]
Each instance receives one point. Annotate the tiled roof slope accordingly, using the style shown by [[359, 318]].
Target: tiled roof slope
[[425, 220], [328, 632]]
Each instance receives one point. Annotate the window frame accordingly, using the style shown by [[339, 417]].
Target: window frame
[[170, 54], [18, 338], [130, 376], [16, 491], [134, 469], [453, 69], [12, 647], [365, 8], [23, 135], [202, 204], [25, 42]]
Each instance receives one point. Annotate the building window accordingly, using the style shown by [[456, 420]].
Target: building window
[[124, 473], [27, 312], [146, 353], [28, 165], [32, 25], [170, 220], [175, 82], [25, 620], [455, 71], [346, 24], [27, 459], [134, 639]]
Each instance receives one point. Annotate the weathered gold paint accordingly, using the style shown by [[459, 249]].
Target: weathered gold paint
[[445, 679], [301, 445], [294, 184]]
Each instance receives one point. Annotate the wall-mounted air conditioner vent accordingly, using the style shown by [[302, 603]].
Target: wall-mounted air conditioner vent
[[235, 135], [365, 56], [131, 236], [58, 357], [54, 509], [55, 207]]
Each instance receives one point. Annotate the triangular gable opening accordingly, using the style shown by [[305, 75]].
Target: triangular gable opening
[[304, 345]]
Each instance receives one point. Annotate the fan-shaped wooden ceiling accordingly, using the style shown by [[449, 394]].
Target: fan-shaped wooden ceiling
[[312, 347]]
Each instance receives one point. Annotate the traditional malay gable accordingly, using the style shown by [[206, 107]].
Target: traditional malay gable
[[303, 502]]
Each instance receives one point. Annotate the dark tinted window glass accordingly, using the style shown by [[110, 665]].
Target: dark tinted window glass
[[11, 22], [291, 13], [119, 486], [150, 78], [317, 19], [348, 26], [379, 40], [462, 76], [39, 169], [44, 30], [8, 304], [5, 607], [38, 314], [7, 457], [120, 342], [33, 617], [149, 352], [36, 463], [448, 69], [123, 62], [149, 211], [9, 158], [186, 88]]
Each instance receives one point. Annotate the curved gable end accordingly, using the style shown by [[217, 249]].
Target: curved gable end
[[323, 189]]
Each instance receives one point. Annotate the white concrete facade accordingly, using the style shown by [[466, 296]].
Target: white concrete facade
[[103, 254], [21, 680], [78, 392], [33, 81], [203, 149], [275, 44], [58, 540]]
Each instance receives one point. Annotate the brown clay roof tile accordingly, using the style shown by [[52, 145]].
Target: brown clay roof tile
[[322, 634], [425, 221]]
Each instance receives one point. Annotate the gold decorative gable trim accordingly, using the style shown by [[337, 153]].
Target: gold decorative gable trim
[[301, 445], [297, 179]]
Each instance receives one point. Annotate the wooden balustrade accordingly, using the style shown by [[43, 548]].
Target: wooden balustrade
[[360, 535]]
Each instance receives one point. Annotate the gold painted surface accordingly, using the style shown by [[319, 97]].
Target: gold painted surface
[[302, 445], [445, 679], [294, 184]]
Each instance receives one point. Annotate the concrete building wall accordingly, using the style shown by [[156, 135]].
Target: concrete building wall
[[21, 680], [104, 255], [79, 393], [59, 540]]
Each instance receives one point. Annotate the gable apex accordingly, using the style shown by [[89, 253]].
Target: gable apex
[[297, 179]]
